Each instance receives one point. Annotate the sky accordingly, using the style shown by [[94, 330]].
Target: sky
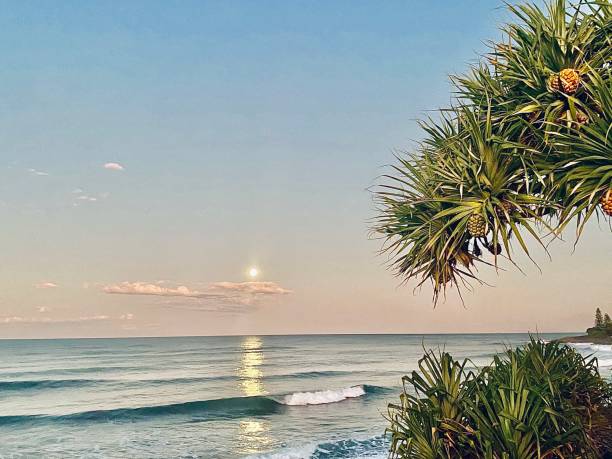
[[152, 153]]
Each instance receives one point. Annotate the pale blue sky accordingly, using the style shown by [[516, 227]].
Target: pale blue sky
[[248, 133]]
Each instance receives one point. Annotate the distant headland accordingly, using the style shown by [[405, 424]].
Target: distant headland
[[601, 333]]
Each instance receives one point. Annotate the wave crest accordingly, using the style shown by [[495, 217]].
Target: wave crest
[[323, 397], [202, 410]]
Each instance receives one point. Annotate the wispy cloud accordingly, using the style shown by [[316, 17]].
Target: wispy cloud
[[50, 320], [113, 166], [65, 320], [143, 288], [225, 296], [82, 197], [46, 285], [254, 288], [38, 173]]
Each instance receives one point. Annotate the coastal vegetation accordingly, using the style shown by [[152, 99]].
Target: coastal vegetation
[[543, 400], [600, 333], [524, 151], [603, 325]]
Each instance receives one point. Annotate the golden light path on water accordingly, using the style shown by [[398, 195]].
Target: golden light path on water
[[250, 373], [253, 434]]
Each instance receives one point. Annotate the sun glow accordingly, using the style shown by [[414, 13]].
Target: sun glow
[[253, 272]]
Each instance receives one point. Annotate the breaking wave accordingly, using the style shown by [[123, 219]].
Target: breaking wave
[[603, 352], [324, 396], [203, 410]]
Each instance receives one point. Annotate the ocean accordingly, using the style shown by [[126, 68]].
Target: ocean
[[315, 396]]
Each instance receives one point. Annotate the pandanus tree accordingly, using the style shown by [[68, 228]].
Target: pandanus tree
[[540, 401], [526, 149]]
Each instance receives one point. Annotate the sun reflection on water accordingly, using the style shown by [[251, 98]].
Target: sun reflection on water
[[253, 436], [250, 373]]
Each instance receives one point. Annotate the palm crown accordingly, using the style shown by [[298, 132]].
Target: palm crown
[[525, 150]]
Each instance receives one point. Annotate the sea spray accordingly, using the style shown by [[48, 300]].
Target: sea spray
[[324, 396]]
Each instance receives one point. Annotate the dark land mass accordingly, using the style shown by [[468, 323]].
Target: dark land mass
[[586, 339]]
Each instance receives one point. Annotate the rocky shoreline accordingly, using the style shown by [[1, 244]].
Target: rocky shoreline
[[586, 339]]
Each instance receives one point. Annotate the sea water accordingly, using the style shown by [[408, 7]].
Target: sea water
[[216, 397]]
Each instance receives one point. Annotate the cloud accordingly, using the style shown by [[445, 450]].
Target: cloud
[[225, 296], [43, 309], [46, 285], [143, 288], [113, 167], [82, 197], [68, 320], [254, 288], [38, 173], [50, 320]]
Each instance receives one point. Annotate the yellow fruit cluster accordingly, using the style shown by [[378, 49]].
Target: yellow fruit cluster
[[566, 81]]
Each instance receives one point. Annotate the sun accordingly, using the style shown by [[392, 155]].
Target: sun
[[253, 272]]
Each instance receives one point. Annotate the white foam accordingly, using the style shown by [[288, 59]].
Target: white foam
[[603, 352], [307, 452], [593, 347], [602, 347], [604, 363], [581, 345], [351, 451], [324, 396], [289, 453]]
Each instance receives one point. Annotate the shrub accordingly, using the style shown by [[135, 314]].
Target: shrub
[[543, 400]]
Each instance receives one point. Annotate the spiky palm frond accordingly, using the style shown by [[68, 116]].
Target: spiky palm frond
[[540, 44], [479, 171], [434, 397], [521, 154], [419, 240], [583, 166], [535, 401], [465, 169]]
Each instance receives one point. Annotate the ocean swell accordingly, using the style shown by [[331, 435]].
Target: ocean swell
[[44, 384], [58, 383], [200, 410], [204, 410]]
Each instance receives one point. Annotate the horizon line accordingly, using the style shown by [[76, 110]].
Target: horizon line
[[295, 335]]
